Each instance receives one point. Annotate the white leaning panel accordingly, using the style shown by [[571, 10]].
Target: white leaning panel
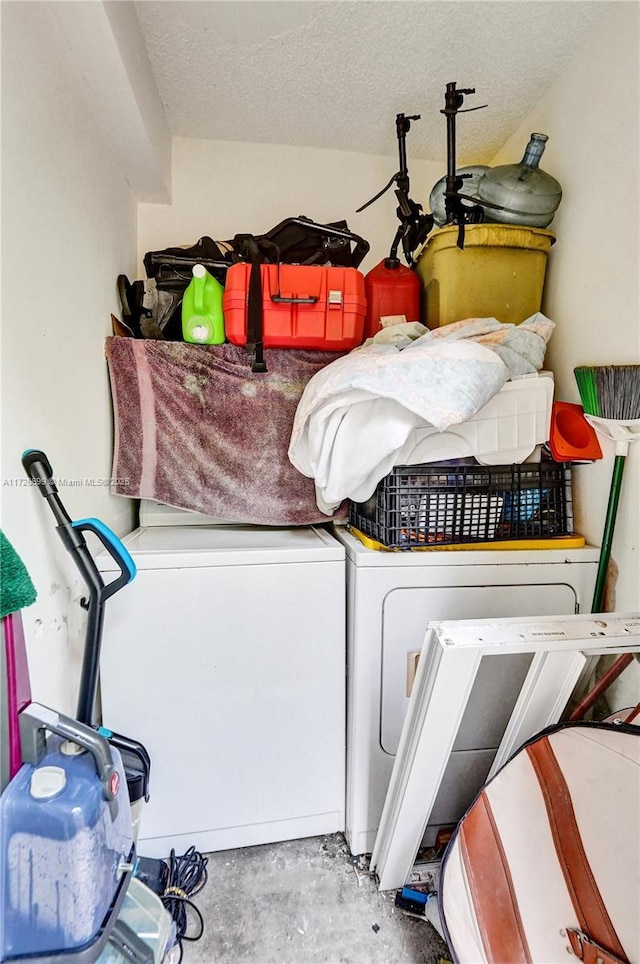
[[449, 662]]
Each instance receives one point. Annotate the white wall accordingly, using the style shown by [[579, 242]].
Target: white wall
[[222, 188], [68, 230], [591, 115]]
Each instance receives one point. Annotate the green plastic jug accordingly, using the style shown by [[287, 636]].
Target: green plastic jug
[[202, 319]]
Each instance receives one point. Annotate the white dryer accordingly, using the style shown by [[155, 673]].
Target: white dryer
[[225, 657], [391, 598]]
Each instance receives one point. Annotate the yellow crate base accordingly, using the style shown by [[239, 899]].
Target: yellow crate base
[[573, 541]]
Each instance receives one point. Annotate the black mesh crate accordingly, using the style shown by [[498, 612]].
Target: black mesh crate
[[444, 504]]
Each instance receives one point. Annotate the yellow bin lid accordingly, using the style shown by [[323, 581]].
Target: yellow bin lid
[[491, 236]]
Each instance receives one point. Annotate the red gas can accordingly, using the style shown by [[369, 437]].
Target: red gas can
[[391, 289]]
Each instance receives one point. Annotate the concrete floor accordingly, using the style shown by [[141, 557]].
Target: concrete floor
[[299, 902]]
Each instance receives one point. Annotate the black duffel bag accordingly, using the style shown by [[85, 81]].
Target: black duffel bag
[[292, 241]]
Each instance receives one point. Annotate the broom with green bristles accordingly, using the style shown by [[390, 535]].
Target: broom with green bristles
[[610, 396]]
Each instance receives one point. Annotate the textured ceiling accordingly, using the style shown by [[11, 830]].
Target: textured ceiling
[[334, 74]]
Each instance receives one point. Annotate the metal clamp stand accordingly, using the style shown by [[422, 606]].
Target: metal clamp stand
[[414, 226], [458, 212]]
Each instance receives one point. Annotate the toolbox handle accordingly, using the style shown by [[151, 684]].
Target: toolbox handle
[[280, 299]]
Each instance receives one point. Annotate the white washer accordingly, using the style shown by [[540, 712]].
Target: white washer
[[391, 598], [225, 657]]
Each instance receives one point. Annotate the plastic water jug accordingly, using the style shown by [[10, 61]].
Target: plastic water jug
[[391, 289], [202, 318], [524, 194], [63, 847]]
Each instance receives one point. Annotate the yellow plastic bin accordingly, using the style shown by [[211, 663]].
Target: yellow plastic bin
[[499, 273]]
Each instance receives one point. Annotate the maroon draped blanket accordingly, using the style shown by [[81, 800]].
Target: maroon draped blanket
[[194, 428]]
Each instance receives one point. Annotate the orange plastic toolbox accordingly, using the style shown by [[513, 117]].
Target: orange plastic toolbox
[[303, 306]]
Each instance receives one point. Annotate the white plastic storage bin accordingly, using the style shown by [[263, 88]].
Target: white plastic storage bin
[[505, 430]]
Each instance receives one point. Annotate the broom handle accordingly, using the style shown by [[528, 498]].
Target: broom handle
[[607, 536], [605, 554]]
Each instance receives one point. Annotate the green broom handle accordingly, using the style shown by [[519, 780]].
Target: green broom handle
[[607, 535]]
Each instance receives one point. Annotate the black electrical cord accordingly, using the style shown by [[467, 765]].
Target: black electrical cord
[[186, 877]]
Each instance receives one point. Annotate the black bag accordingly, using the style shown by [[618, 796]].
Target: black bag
[[293, 241], [172, 271], [301, 241]]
